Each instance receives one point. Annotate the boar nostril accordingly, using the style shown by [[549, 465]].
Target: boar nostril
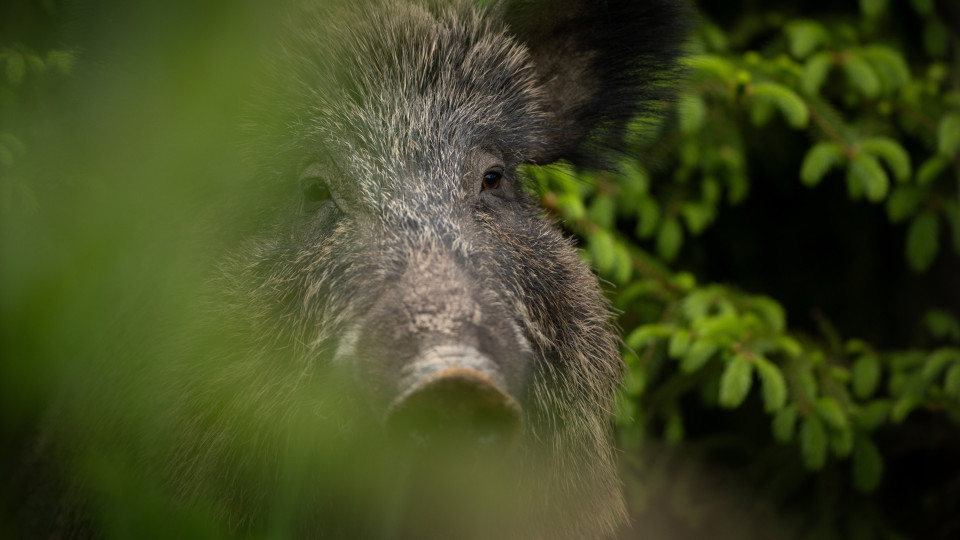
[[458, 406]]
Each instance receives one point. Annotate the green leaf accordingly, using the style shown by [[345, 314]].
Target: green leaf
[[937, 362], [572, 206], [711, 190], [714, 37], [854, 346], [892, 153], [803, 371], [866, 173], [601, 211], [601, 250], [738, 186], [770, 311], [697, 355], [922, 241], [815, 72], [696, 305], [785, 424], [670, 239], [839, 373], [830, 411], [735, 382], [951, 384], [565, 179], [867, 465], [679, 343], [873, 415], [931, 169], [761, 111], [721, 329], [942, 324], [866, 375], [805, 36], [903, 203], [813, 443], [948, 135], [821, 158], [697, 216], [773, 385], [873, 8], [647, 334], [903, 364], [791, 105], [854, 189], [685, 281], [648, 216], [691, 111], [861, 75], [889, 64], [841, 442], [789, 346], [708, 66], [634, 178], [624, 265], [903, 407]]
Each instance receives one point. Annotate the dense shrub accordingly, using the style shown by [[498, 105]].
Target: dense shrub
[[786, 260]]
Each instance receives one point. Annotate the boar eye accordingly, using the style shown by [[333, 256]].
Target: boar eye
[[316, 190], [491, 179]]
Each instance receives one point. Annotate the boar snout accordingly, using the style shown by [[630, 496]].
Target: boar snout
[[455, 395]]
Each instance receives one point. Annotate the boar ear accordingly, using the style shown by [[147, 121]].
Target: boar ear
[[599, 64]]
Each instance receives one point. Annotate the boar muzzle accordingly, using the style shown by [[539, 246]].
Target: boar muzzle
[[455, 395]]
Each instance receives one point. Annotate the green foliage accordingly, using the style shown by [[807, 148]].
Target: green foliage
[[873, 114], [903, 203], [890, 151], [943, 325], [922, 241], [805, 37], [735, 382], [813, 442], [785, 424], [867, 465], [866, 375], [865, 175], [774, 386], [790, 104], [948, 135], [819, 160]]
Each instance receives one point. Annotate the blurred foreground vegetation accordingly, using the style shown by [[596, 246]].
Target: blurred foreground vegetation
[[785, 258]]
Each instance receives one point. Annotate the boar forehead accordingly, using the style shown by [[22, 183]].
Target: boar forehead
[[414, 100]]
